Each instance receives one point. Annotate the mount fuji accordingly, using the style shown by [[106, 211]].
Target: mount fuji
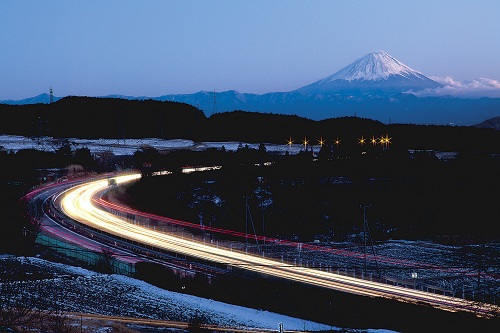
[[377, 72], [376, 86]]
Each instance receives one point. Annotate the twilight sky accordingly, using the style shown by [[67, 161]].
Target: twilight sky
[[159, 47]]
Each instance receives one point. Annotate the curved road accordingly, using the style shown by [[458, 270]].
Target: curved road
[[77, 204], [48, 223]]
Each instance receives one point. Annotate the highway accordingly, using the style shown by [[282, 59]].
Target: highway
[[50, 225], [76, 203]]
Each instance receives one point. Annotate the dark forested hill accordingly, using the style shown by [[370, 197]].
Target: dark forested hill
[[101, 118], [86, 117]]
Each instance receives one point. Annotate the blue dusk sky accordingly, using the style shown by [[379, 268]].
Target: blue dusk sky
[[153, 48]]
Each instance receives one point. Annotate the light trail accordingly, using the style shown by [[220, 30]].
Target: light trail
[[77, 204], [48, 223], [357, 255]]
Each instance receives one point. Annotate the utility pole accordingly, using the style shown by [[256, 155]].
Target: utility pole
[[121, 129], [364, 232], [162, 125], [263, 225], [39, 125], [246, 224], [248, 213]]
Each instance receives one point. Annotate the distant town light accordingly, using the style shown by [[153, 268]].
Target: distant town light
[[200, 168], [385, 140], [321, 142]]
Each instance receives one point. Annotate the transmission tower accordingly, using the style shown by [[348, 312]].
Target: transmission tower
[[214, 109], [162, 125], [39, 130], [365, 225], [248, 216], [121, 128], [51, 96], [366, 231]]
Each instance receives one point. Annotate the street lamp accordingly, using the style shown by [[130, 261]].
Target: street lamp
[[414, 276], [321, 142], [385, 141]]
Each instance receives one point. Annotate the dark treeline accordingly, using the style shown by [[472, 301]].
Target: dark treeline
[[118, 118], [85, 117]]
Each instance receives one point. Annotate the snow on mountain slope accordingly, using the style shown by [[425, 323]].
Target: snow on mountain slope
[[374, 66], [377, 71]]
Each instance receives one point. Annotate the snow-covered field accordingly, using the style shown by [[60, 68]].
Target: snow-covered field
[[121, 147], [129, 146], [75, 289], [427, 265]]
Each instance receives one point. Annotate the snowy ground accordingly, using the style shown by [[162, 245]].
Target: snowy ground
[[129, 146], [76, 289], [426, 264], [87, 291]]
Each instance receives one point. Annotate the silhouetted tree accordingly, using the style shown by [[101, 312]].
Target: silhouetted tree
[[84, 157]]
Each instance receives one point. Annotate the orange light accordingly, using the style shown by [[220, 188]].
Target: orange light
[[337, 141], [362, 140], [305, 142], [385, 140], [289, 142], [321, 142]]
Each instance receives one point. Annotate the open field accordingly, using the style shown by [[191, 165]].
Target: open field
[[52, 286]]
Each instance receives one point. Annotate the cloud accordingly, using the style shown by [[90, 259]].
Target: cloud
[[477, 88]]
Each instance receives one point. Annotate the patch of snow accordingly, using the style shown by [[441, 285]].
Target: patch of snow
[[140, 297], [15, 143], [221, 312]]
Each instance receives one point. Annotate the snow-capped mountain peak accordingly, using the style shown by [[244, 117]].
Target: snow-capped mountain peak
[[377, 71], [373, 66]]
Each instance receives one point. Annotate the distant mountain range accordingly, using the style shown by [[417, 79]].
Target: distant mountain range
[[376, 86], [490, 123], [38, 99]]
